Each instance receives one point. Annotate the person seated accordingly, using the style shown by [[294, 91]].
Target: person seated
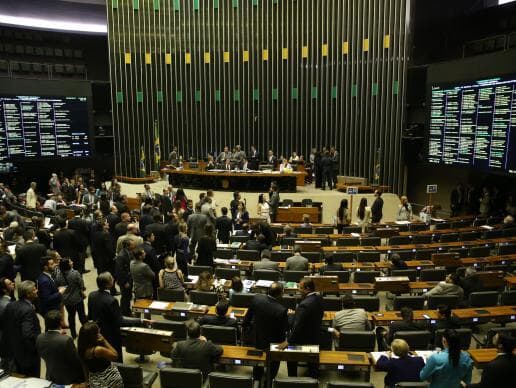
[[350, 317], [210, 164], [397, 263], [237, 286], [171, 278], [243, 165], [297, 262], [227, 165], [196, 352], [285, 166], [205, 282], [288, 233], [294, 157], [448, 287], [502, 369], [470, 282], [407, 323], [221, 308], [508, 222], [402, 367], [265, 262], [330, 265], [445, 319], [306, 221], [257, 244], [244, 231]]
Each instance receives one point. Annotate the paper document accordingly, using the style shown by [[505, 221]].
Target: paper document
[[355, 234], [264, 283], [158, 305], [402, 222]]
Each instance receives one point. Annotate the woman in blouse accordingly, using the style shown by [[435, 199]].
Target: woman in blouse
[[263, 209], [241, 217], [342, 215], [170, 277], [449, 367], [404, 210], [363, 215]]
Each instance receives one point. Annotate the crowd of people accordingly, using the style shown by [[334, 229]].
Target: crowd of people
[[484, 200], [136, 252]]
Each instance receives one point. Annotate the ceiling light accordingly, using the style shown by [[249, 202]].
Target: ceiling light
[[53, 24]]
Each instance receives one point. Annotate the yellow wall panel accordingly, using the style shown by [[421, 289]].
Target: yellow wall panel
[[304, 52], [207, 57], [227, 57], [245, 57], [345, 48], [365, 44], [127, 58], [284, 53], [324, 50], [265, 54], [188, 58], [386, 41], [168, 58], [148, 58]]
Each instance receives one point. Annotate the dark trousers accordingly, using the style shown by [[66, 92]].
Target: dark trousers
[[79, 260], [32, 370], [313, 369], [327, 178], [258, 371], [334, 177], [126, 294], [71, 310]]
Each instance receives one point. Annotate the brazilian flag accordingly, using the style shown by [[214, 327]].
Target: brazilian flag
[[157, 150], [142, 163]]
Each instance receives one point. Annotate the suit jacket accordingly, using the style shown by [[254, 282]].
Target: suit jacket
[[205, 250], [82, 229], [171, 231], [19, 334], [224, 225], [120, 229], [274, 202], [265, 264], [160, 238], [104, 309], [113, 219], [28, 257], [400, 369], [143, 278], [404, 326], [376, 210], [296, 263], [196, 223], [66, 244], [166, 205], [61, 359], [103, 250], [307, 321], [145, 219], [498, 373], [49, 296], [270, 320], [123, 267], [194, 353], [218, 321]]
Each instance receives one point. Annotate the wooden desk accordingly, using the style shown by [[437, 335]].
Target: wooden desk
[[144, 304], [392, 283], [355, 287], [510, 281], [491, 279], [238, 355], [338, 360], [330, 250], [140, 340], [362, 188], [421, 287], [482, 314], [482, 357], [295, 214], [386, 317]]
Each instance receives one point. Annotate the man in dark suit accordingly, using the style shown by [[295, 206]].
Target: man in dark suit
[[502, 370], [158, 229], [121, 227], [166, 204], [224, 226], [123, 275], [221, 308], [270, 321], [377, 208], [113, 219], [58, 350], [406, 324], [104, 309], [65, 242], [28, 257], [146, 217], [81, 227], [254, 158], [196, 223], [196, 352], [21, 330], [151, 257], [306, 325], [103, 249], [50, 295], [274, 200]]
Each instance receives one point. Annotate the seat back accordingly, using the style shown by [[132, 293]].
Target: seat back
[[248, 254], [422, 239], [405, 254], [346, 384], [464, 337], [132, 375], [365, 276], [343, 257], [241, 299], [370, 241], [352, 229], [295, 382], [432, 275], [411, 384], [508, 298], [313, 257], [180, 378], [442, 225], [196, 270], [400, 240], [479, 251], [469, 236], [307, 202], [222, 335], [266, 274], [506, 249], [294, 276], [424, 254], [226, 380], [357, 341], [368, 256], [332, 303], [418, 227], [224, 254], [204, 297], [483, 299], [324, 230], [410, 273], [368, 303], [167, 295], [448, 300], [179, 328], [280, 255], [287, 202], [343, 276], [226, 273], [303, 230], [348, 242], [415, 339], [449, 237], [240, 239], [414, 302], [509, 232]]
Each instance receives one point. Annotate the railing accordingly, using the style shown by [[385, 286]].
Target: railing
[[19, 69]]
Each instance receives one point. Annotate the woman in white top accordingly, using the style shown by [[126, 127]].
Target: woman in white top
[[363, 215], [404, 211], [263, 209], [285, 165]]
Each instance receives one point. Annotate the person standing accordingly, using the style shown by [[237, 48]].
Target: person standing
[[104, 309], [342, 216], [363, 215], [142, 276], [63, 365], [377, 208], [31, 198], [123, 275], [404, 210], [263, 209], [224, 226], [21, 330], [254, 158], [274, 200], [334, 154], [450, 366], [50, 296], [82, 230], [327, 171], [270, 320], [206, 247], [196, 223], [306, 325], [29, 255]]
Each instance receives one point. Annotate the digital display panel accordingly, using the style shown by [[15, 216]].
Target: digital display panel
[[474, 124]]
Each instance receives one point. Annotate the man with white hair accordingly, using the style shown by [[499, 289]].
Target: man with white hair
[[131, 234]]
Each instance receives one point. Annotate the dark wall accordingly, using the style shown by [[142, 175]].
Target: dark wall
[[420, 173], [350, 97]]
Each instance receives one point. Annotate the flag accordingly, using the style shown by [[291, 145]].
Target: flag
[[377, 168], [142, 163], [157, 150]]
